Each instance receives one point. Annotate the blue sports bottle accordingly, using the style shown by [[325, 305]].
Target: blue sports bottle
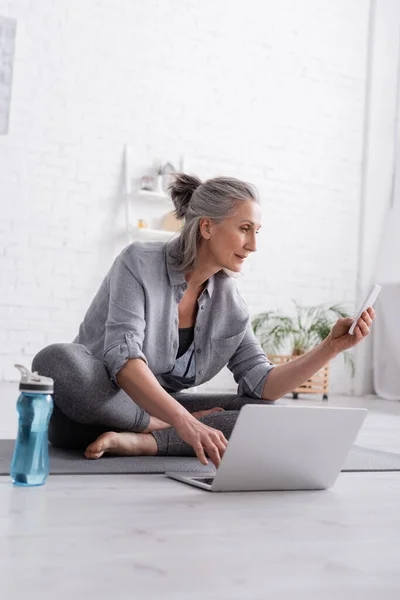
[[30, 463]]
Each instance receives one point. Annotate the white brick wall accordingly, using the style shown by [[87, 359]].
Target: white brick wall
[[272, 92]]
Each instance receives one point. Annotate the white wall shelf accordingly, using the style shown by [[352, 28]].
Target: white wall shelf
[[153, 195], [147, 205], [146, 233]]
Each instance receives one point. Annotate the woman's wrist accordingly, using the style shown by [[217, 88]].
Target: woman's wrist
[[330, 347], [181, 416]]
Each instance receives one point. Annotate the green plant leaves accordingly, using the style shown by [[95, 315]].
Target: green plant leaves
[[298, 334]]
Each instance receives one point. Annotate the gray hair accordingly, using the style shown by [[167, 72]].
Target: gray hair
[[216, 198]]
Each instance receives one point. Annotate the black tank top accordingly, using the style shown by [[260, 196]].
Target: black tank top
[[186, 335]]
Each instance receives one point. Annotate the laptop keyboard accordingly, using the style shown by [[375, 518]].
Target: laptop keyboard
[[208, 480]]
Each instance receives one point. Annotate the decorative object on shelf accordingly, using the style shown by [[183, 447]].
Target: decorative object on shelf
[[164, 177], [147, 183], [171, 223], [167, 172], [299, 334], [142, 224], [159, 181]]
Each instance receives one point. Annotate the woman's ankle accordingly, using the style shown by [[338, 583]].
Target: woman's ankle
[[149, 444]]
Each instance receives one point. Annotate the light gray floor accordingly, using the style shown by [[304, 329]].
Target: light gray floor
[[146, 536]]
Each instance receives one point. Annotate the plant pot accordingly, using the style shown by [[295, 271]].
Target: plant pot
[[317, 384]]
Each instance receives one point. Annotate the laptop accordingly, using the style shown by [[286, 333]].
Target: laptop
[[282, 448]]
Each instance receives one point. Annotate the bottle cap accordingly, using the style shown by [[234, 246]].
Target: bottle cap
[[32, 382]]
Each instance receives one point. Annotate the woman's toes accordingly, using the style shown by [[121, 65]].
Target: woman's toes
[[97, 448], [92, 454]]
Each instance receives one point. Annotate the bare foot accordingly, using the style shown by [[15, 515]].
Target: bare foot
[[122, 444], [202, 413]]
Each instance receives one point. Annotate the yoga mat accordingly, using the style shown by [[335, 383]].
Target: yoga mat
[[73, 462]]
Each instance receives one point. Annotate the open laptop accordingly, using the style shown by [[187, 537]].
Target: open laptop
[[282, 448]]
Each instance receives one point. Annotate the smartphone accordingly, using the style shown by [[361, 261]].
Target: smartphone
[[369, 300]]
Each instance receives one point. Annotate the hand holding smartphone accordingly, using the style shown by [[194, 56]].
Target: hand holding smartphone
[[369, 300]]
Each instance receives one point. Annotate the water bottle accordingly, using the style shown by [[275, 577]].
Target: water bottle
[[30, 463]]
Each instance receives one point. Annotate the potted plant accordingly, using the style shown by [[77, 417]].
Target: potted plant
[[297, 335]]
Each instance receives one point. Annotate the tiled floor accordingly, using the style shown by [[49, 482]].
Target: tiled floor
[[146, 536]]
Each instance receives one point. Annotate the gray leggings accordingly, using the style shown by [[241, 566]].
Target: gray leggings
[[87, 403]]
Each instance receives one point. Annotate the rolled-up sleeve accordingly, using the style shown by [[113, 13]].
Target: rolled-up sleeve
[[250, 366], [125, 325]]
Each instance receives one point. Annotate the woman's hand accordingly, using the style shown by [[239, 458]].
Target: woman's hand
[[339, 337], [202, 438]]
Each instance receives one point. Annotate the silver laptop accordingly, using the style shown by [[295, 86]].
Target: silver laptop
[[282, 448]]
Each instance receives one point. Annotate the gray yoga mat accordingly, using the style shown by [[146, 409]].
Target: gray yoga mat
[[71, 462]]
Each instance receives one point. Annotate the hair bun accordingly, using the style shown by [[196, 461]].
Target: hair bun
[[181, 190]]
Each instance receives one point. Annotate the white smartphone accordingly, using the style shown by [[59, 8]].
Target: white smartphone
[[369, 300]]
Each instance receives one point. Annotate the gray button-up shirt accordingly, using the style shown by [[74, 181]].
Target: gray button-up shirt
[[134, 314]]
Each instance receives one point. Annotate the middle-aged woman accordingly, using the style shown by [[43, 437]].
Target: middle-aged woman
[[168, 316]]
